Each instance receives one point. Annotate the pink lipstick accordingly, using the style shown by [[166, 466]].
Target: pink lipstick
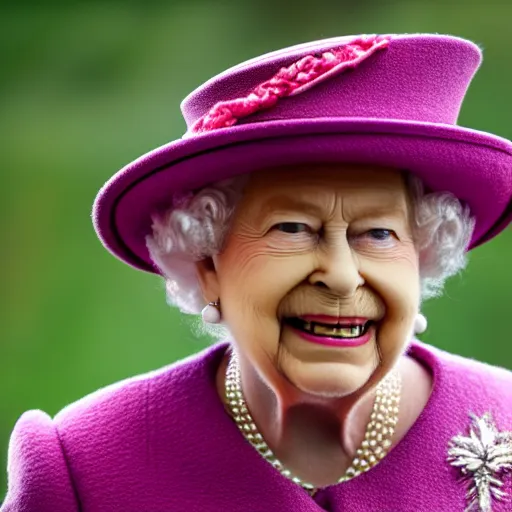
[[333, 331]]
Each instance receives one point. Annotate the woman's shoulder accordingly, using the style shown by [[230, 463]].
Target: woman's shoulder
[[460, 366], [38, 474], [464, 383], [134, 396], [106, 436]]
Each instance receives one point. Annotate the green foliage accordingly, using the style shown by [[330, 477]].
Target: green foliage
[[87, 87]]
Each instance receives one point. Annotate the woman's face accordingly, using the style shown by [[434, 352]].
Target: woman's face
[[319, 275]]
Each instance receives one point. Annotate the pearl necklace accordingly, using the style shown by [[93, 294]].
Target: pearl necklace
[[375, 446]]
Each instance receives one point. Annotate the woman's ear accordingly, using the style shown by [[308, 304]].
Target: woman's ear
[[208, 279]]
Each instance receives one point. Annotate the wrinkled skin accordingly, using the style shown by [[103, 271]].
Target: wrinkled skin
[[318, 240]]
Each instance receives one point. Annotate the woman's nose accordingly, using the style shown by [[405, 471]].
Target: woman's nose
[[337, 269]]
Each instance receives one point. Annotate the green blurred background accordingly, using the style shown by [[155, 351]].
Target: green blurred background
[[86, 87]]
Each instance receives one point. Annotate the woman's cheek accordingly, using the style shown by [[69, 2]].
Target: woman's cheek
[[395, 279], [267, 272]]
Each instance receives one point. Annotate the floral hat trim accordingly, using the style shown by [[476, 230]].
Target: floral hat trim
[[289, 81]]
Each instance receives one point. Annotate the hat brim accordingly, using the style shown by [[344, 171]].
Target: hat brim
[[473, 165]]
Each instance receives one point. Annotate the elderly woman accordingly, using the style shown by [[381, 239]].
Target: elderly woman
[[320, 194]]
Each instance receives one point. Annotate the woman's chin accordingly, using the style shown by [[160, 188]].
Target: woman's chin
[[327, 380]]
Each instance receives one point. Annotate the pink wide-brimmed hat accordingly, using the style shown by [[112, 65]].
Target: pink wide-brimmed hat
[[391, 101]]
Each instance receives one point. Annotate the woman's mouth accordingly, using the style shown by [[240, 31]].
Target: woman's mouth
[[342, 334]]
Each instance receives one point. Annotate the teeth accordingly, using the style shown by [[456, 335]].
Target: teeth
[[345, 332], [352, 331]]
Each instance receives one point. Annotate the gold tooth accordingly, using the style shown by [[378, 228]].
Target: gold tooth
[[346, 332]]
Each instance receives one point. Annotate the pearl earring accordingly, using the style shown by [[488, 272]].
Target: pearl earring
[[211, 313], [420, 324]]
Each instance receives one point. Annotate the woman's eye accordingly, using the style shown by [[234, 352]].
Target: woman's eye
[[292, 227], [381, 233]]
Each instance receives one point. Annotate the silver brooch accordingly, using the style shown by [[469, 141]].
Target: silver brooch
[[483, 457]]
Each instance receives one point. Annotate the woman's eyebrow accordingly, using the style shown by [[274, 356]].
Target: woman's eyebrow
[[369, 211], [281, 202], [393, 210]]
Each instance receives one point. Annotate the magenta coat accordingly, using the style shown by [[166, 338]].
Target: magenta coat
[[162, 442]]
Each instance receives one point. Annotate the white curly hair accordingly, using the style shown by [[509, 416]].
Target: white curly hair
[[196, 225]]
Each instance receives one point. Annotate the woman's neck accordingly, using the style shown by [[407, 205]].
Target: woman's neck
[[316, 438]]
